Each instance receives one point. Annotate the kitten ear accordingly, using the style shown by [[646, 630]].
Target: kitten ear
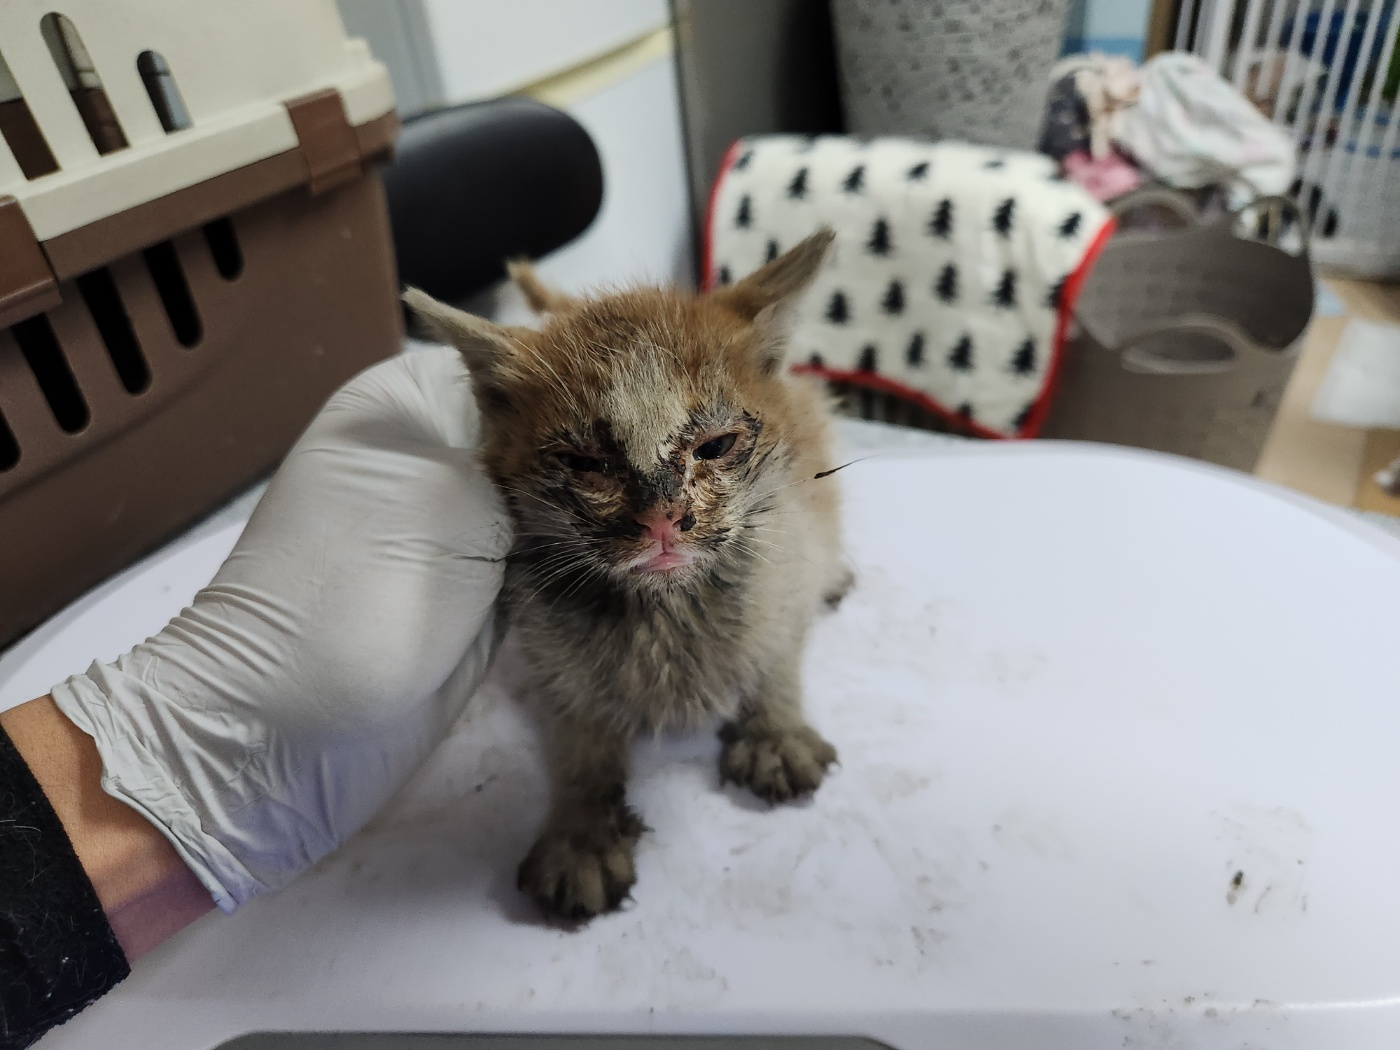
[[486, 347], [767, 297], [781, 281], [540, 296]]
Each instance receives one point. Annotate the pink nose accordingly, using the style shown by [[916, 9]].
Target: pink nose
[[662, 524]]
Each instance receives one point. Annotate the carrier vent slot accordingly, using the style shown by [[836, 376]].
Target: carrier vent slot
[[9, 448], [174, 290], [20, 130], [84, 85], [161, 87], [104, 302], [40, 348], [223, 245]]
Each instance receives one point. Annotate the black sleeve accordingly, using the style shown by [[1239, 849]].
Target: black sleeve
[[57, 951]]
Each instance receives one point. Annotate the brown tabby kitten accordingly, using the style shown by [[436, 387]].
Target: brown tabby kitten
[[672, 545]]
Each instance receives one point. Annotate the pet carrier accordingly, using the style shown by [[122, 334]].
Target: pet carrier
[[194, 252]]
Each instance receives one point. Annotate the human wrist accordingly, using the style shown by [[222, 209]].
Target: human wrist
[[145, 889]]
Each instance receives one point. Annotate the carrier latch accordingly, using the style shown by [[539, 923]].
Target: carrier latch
[[328, 143], [27, 284]]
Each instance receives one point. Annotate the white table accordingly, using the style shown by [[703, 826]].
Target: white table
[[1118, 738]]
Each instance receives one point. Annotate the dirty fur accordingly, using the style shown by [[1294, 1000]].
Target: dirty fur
[[623, 407]]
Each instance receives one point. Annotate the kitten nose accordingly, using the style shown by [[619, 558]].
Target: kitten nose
[[664, 523]]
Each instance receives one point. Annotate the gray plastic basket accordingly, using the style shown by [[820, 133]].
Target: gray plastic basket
[[1188, 336], [973, 70]]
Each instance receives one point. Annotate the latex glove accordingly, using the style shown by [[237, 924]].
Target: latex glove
[[333, 649]]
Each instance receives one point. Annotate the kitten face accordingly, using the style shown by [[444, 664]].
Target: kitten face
[[641, 436], [657, 465], [645, 444]]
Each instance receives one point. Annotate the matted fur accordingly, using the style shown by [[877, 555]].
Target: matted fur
[[609, 412]]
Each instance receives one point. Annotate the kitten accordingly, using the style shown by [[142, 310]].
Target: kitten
[[672, 542]]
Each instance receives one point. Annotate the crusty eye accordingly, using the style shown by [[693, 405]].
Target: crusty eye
[[715, 447], [581, 464]]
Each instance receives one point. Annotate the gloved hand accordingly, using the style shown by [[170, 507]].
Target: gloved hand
[[332, 651]]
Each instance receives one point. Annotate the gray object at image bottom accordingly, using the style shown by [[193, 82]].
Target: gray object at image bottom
[[436, 1041]]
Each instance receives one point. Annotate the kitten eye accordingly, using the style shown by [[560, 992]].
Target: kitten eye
[[715, 447], [582, 464]]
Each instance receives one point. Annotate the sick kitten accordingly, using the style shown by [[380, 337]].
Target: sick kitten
[[673, 542]]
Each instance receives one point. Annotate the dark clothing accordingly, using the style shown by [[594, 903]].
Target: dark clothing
[[57, 950]]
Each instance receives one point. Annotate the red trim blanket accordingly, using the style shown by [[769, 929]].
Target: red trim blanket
[[954, 273]]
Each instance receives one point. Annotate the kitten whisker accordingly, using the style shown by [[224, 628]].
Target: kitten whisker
[[589, 572], [751, 552], [542, 585], [827, 473], [532, 548]]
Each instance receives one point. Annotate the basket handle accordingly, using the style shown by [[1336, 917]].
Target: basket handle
[[1277, 202], [1174, 202], [1136, 359], [1184, 210]]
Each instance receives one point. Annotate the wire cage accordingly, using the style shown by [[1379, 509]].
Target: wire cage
[[1328, 72]]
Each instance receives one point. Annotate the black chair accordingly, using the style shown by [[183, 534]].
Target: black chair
[[474, 185]]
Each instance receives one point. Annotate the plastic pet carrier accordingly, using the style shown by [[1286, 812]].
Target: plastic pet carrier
[[194, 252]]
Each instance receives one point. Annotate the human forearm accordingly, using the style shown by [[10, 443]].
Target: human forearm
[[146, 891]]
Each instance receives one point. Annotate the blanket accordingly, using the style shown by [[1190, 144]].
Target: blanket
[[953, 275]]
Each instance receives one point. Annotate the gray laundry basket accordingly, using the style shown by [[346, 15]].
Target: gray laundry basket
[[1188, 337], [973, 70]]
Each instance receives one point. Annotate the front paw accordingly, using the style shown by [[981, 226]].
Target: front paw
[[776, 764], [584, 868]]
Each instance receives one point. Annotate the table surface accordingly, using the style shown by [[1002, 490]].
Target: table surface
[[1117, 737]]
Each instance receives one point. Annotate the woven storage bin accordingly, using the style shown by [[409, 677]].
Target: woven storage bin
[[1189, 337], [972, 70], [194, 252]]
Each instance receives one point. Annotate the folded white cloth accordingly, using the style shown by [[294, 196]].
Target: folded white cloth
[[1191, 128]]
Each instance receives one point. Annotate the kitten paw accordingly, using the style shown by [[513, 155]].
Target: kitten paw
[[583, 870], [777, 765]]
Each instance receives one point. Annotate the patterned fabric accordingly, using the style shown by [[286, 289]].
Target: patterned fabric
[[953, 274]]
